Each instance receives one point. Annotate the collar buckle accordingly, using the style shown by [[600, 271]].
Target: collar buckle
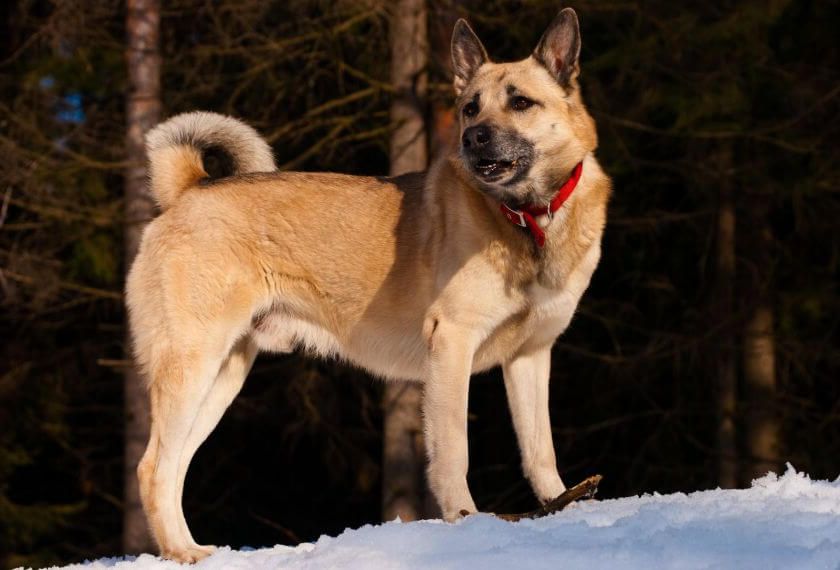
[[514, 216]]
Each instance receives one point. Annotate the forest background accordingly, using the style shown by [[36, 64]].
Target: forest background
[[704, 353]]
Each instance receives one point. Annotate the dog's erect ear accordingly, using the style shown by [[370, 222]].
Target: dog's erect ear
[[559, 48], [467, 54]]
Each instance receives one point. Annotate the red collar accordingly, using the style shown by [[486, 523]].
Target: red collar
[[527, 216]]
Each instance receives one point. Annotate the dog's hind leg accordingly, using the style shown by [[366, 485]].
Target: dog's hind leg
[[183, 381], [226, 386], [176, 391]]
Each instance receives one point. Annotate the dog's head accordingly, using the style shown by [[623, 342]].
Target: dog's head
[[523, 125]]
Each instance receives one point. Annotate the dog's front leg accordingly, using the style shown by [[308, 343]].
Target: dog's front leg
[[445, 417], [526, 383]]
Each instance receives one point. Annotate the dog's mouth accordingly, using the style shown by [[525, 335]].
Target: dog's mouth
[[498, 162], [494, 168]]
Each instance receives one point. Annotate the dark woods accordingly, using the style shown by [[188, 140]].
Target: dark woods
[[705, 352]]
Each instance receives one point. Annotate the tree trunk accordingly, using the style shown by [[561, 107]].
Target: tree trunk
[[142, 113], [760, 381], [726, 372], [444, 126], [403, 482], [759, 360]]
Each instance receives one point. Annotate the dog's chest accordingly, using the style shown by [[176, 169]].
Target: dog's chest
[[548, 314], [552, 307], [550, 304], [543, 316], [543, 313]]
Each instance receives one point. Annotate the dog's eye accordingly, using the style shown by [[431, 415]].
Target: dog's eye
[[470, 109], [521, 103]]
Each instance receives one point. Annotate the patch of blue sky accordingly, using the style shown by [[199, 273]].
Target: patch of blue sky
[[71, 109]]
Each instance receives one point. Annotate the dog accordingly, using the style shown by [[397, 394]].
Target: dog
[[428, 277]]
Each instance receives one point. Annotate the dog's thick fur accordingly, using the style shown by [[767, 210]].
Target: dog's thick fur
[[418, 277]]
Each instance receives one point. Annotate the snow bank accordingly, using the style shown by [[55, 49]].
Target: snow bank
[[781, 522]]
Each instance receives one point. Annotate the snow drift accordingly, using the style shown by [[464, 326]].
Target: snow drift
[[780, 522]]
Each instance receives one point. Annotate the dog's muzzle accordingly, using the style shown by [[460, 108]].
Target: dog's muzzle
[[495, 155]]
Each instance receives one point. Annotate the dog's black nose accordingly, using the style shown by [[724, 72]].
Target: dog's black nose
[[477, 136]]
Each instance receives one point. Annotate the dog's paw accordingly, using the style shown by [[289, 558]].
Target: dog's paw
[[452, 516], [189, 554], [545, 498]]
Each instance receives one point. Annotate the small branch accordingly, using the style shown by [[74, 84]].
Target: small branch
[[4, 207], [583, 490], [288, 533], [314, 149], [92, 291], [114, 363], [64, 214]]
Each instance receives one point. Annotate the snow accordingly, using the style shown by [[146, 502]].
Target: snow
[[786, 521]]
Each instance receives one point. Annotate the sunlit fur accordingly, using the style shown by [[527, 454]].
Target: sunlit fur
[[418, 278], [559, 125]]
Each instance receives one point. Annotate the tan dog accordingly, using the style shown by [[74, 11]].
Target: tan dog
[[422, 277]]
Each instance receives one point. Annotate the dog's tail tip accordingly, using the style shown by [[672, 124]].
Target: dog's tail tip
[[193, 146]]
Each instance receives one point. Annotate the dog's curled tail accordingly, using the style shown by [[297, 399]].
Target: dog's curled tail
[[198, 145]]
